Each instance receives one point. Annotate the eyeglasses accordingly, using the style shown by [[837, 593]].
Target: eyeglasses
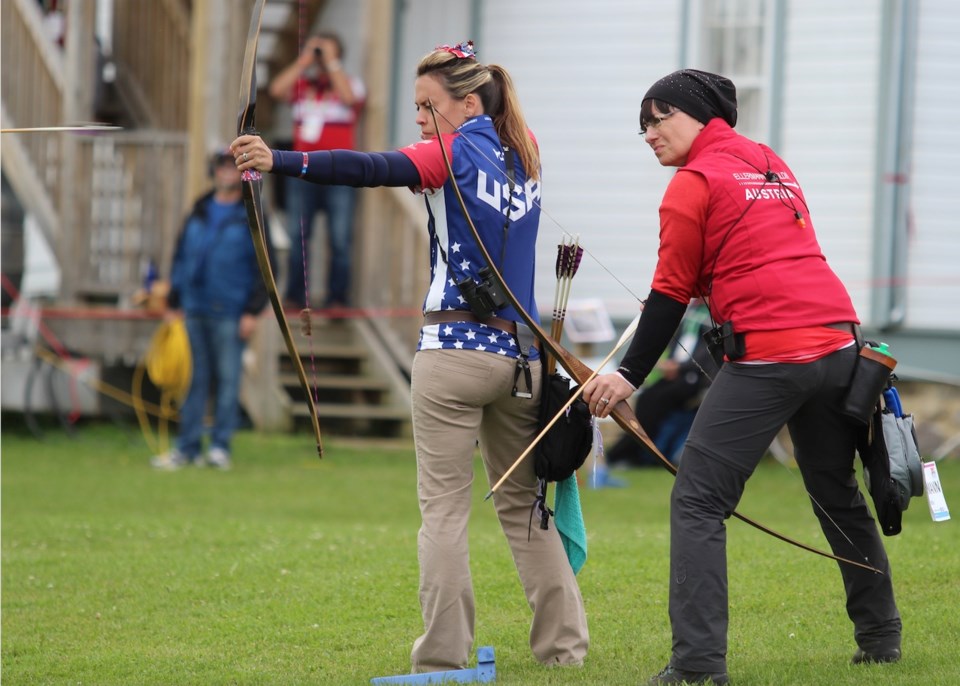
[[654, 122]]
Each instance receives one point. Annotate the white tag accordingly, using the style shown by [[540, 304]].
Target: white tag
[[311, 114], [598, 456], [935, 499], [311, 128]]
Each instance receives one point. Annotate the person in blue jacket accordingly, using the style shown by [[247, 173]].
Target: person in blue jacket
[[216, 285]]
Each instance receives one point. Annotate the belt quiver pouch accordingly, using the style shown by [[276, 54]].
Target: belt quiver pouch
[[871, 375], [892, 470], [566, 445]]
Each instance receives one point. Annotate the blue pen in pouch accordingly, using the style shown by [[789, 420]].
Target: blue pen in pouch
[[891, 398]]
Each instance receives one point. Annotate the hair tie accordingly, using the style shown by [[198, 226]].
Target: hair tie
[[462, 50]]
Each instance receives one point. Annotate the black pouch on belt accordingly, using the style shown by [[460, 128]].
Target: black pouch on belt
[[870, 376], [722, 342]]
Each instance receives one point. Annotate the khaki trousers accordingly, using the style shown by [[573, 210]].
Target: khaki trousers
[[459, 396]]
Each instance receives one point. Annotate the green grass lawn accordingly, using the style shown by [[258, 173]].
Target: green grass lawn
[[292, 570]]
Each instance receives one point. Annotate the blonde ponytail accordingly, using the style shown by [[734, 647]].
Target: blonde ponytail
[[511, 125], [493, 85]]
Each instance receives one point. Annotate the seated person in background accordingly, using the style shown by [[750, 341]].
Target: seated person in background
[[666, 408]]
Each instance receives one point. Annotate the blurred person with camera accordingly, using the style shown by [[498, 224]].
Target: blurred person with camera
[[215, 285], [476, 374], [326, 104]]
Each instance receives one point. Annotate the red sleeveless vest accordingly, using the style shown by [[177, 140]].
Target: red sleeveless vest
[[762, 267]]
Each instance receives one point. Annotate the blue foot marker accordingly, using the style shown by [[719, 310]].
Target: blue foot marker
[[485, 673]]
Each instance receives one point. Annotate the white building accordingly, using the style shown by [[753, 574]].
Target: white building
[[859, 97]]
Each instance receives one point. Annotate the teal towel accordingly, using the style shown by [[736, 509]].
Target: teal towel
[[568, 517]]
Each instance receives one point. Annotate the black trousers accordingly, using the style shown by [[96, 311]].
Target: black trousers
[[743, 411]]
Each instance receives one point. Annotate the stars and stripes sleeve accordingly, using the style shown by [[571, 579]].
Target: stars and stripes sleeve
[[427, 157]]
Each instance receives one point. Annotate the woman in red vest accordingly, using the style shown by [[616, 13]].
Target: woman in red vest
[[735, 231]]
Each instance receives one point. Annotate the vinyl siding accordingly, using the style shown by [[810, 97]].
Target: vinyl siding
[[581, 71], [933, 277], [830, 120]]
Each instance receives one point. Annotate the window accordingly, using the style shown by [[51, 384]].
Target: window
[[735, 38]]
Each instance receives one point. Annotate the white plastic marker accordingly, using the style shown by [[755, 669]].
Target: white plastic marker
[[935, 498]]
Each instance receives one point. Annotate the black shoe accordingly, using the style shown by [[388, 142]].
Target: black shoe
[[867, 657], [672, 675]]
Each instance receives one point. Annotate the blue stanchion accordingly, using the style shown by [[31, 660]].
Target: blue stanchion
[[484, 673]]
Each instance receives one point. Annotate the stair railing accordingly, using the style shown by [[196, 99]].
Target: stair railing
[[31, 92]]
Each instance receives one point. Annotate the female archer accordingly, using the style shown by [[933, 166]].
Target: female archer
[[476, 375], [735, 230]]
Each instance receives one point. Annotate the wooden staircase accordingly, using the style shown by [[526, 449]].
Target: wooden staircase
[[358, 392], [359, 389], [109, 205]]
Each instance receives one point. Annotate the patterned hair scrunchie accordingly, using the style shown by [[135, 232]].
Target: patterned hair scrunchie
[[462, 50]]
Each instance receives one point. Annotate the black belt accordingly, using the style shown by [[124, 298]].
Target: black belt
[[447, 316], [850, 328]]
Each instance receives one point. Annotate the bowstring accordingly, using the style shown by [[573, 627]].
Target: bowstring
[[306, 314], [568, 234]]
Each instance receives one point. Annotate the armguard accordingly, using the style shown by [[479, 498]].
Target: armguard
[[659, 321]]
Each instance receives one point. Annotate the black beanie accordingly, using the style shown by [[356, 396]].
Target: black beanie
[[700, 94]]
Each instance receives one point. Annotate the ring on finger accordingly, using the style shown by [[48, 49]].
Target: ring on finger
[[245, 157]]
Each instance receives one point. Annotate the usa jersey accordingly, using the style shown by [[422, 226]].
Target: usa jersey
[[478, 162]]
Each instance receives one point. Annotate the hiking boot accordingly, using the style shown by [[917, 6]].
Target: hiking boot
[[882, 655], [219, 458], [672, 675], [169, 461]]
